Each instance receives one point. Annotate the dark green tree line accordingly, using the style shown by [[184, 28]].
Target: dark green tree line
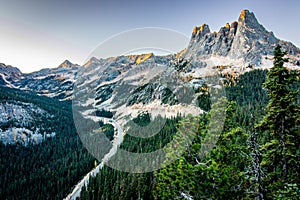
[[281, 159]]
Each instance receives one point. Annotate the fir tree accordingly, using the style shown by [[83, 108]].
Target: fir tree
[[281, 160]]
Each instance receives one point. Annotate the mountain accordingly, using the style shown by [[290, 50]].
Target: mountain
[[148, 82], [156, 82], [243, 43], [173, 85], [9, 75], [132, 87], [54, 82], [122, 90], [235, 48]]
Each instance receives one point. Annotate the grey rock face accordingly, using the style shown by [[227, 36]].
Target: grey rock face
[[205, 43], [56, 82], [245, 39], [9, 75], [200, 31], [252, 40]]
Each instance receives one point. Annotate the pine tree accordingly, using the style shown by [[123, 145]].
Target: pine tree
[[281, 160]]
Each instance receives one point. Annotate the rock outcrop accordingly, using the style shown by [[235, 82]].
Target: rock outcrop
[[245, 39], [9, 75]]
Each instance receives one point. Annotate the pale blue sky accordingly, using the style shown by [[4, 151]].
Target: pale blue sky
[[41, 33]]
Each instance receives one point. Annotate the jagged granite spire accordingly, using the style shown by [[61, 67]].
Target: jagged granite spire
[[245, 39], [252, 40], [247, 17], [203, 42], [200, 31]]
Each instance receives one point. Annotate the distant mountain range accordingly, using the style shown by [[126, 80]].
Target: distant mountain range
[[55, 82], [237, 47]]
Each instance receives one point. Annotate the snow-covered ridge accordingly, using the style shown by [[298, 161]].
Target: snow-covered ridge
[[56, 82]]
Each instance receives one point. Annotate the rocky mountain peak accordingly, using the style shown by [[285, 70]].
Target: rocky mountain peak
[[246, 16], [93, 61], [201, 30], [143, 57], [10, 72], [245, 39], [9, 69], [227, 25], [67, 64], [249, 25], [9, 75]]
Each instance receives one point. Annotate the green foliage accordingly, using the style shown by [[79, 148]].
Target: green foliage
[[119, 185], [178, 176], [281, 159], [249, 95], [168, 97], [48, 170], [289, 192], [205, 170], [104, 113], [149, 144], [204, 101], [113, 184], [217, 175], [142, 119], [108, 131]]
